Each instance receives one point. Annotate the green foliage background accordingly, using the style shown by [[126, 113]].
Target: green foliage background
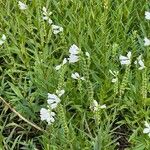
[[104, 28]]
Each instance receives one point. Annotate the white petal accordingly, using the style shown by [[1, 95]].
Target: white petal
[[60, 93], [112, 72], [129, 55], [140, 57], [52, 98], [22, 6], [146, 124], [146, 42], [141, 63], [54, 105], [61, 29], [44, 9], [64, 61], [147, 15], [45, 18], [75, 75], [146, 130], [73, 49], [52, 119], [125, 62], [135, 62], [58, 67], [3, 37], [73, 58], [44, 114], [53, 114], [56, 29], [95, 103], [114, 80], [141, 68], [87, 54], [123, 57]]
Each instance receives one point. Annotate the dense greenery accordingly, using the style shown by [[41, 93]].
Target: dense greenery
[[105, 29]]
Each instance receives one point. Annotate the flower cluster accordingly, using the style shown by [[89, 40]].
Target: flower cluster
[[53, 101], [73, 57], [46, 16], [74, 51], [126, 60], [56, 29]]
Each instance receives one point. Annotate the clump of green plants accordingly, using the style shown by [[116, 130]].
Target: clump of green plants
[[74, 75]]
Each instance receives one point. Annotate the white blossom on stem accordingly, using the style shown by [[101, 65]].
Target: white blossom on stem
[[76, 76], [147, 15], [47, 115], [125, 60], [22, 6]]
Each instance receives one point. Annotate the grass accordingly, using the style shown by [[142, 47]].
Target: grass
[[106, 29]]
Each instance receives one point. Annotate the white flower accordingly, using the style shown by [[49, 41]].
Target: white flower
[[73, 58], [147, 128], [73, 50], [45, 18], [50, 21], [45, 114], [95, 106], [76, 76], [3, 37], [87, 54], [44, 11], [22, 6], [125, 60], [146, 41], [53, 100], [56, 29], [58, 67], [60, 93], [140, 62], [147, 15], [46, 15], [2, 40], [114, 80], [63, 63], [115, 74]]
